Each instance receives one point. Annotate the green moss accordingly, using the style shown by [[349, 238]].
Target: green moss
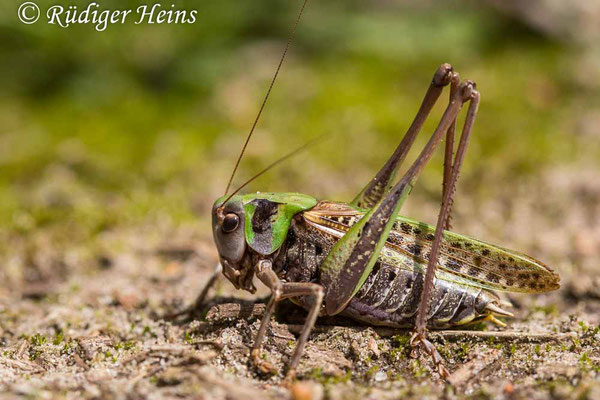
[[58, 338], [130, 344], [394, 376], [584, 358], [463, 351], [372, 371], [37, 340], [127, 345], [417, 368], [478, 326], [68, 347], [110, 357], [587, 364], [334, 380], [402, 341], [318, 375], [563, 347], [396, 354], [34, 354], [550, 310]]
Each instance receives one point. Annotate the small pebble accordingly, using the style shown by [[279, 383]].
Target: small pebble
[[374, 348], [307, 390], [380, 376], [509, 388]]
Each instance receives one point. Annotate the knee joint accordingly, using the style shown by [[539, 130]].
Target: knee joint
[[443, 75]]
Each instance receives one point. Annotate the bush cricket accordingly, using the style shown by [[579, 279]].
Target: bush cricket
[[363, 259]]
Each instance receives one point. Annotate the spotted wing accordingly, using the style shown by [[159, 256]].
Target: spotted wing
[[462, 259]]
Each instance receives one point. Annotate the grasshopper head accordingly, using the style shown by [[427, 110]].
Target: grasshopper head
[[228, 232]]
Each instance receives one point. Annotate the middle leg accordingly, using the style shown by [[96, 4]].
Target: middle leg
[[280, 291]]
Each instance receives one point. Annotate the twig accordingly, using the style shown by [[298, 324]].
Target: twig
[[22, 365], [22, 348], [169, 348], [79, 361], [472, 368], [217, 344], [235, 311], [177, 350], [532, 337], [228, 311]]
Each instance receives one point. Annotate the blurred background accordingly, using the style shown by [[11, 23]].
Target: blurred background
[[119, 141]]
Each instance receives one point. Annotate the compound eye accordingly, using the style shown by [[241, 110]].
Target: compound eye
[[230, 223]]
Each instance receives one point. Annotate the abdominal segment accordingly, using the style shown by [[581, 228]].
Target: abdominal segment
[[390, 297]]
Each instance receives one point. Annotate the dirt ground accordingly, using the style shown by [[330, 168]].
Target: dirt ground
[[86, 319]]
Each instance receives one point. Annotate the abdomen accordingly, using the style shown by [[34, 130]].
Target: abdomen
[[390, 297]]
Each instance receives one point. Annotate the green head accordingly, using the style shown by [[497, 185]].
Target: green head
[[258, 222]]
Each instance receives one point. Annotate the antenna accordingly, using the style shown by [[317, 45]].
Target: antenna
[[273, 164], [264, 103]]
